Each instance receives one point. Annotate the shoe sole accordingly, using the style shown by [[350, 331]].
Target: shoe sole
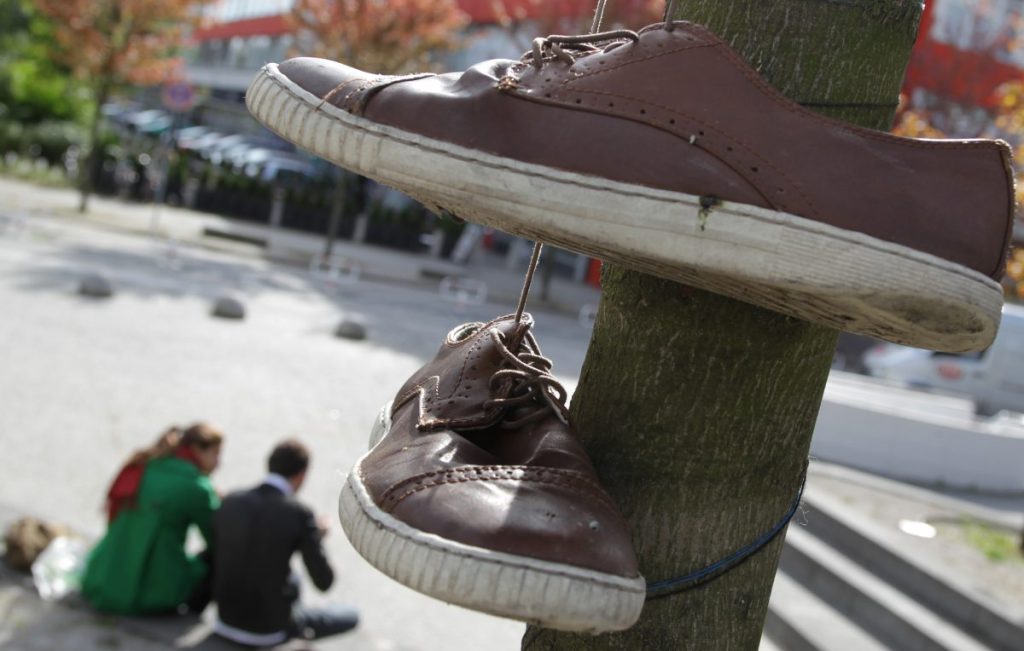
[[789, 264], [551, 595]]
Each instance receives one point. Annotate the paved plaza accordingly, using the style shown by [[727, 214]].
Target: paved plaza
[[85, 381]]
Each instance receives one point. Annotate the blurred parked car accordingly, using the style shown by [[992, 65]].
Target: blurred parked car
[[286, 171], [198, 143], [233, 152], [119, 111], [993, 378], [850, 351], [214, 146], [251, 161], [153, 121], [188, 134]]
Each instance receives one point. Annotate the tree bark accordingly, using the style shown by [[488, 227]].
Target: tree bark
[[334, 223], [698, 410], [93, 160]]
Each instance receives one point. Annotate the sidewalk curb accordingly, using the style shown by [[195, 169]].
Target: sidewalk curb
[[994, 517]]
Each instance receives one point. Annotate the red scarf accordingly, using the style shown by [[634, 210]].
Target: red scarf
[[125, 487]]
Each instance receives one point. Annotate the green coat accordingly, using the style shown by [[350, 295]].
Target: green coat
[[140, 565]]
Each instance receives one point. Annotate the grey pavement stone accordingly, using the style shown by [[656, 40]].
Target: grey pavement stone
[[349, 329], [228, 307], [95, 286]]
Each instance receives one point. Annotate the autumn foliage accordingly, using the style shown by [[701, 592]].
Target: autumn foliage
[[1006, 123], [385, 36], [123, 41], [108, 43]]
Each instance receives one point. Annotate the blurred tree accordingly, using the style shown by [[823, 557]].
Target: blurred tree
[[969, 48], [965, 81], [1006, 121], [384, 36], [107, 43], [33, 87]]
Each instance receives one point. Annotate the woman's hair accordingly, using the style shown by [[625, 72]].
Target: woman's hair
[[200, 435]]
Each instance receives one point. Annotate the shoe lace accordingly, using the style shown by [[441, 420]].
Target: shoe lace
[[531, 389], [570, 48]]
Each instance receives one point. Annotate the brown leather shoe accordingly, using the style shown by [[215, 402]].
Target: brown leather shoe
[[476, 491], [664, 151]]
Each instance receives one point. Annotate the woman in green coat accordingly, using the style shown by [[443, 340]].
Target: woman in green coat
[[140, 565]]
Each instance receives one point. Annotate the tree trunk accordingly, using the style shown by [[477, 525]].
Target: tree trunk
[[698, 410], [91, 169], [334, 223]]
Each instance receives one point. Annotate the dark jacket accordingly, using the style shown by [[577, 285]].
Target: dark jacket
[[255, 533], [140, 565]]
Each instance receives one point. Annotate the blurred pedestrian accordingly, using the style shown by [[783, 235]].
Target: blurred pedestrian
[[140, 565], [257, 532]]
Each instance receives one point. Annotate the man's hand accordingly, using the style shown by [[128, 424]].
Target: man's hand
[[323, 523]]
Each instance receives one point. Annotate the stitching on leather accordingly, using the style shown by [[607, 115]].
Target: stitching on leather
[[493, 468], [632, 61], [367, 83], [557, 477], [838, 236], [418, 388], [393, 502], [490, 560], [769, 197], [789, 105], [573, 474], [484, 416], [723, 49], [334, 91]]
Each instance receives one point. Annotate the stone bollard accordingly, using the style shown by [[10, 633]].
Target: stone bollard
[[95, 286], [349, 329], [228, 307]]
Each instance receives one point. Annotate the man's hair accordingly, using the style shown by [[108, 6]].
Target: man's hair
[[288, 459]]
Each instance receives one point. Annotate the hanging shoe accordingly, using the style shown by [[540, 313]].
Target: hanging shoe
[[476, 491], [665, 152]]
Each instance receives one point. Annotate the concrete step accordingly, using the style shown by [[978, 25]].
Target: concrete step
[[768, 645], [890, 616], [800, 621], [878, 551]]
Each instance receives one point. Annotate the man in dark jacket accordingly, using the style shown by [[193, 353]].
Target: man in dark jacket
[[255, 533]]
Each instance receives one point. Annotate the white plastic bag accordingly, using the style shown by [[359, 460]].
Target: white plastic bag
[[57, 572]]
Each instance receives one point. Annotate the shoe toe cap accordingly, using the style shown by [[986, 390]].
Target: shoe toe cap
[[547, 518], [320, 76]]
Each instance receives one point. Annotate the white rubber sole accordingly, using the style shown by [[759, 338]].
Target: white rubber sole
[[547, 594], [782, 262]]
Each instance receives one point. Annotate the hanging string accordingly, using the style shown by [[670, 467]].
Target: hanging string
[[598, 16], [666, 587], [537, 246], [528, 280]]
